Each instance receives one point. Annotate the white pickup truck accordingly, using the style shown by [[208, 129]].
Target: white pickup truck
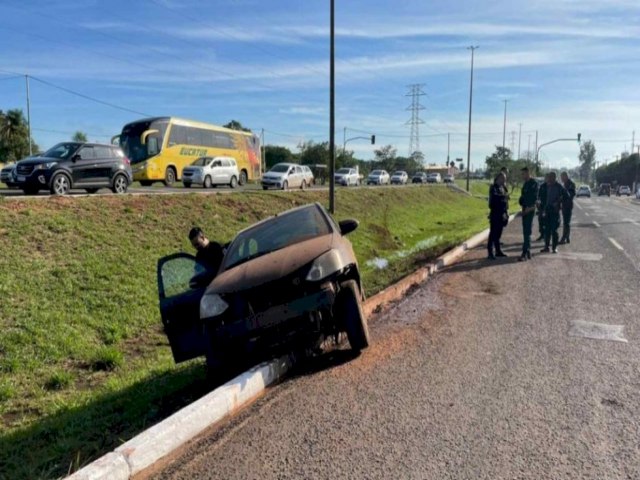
[[347, 177]]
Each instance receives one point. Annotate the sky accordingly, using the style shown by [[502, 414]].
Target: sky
[[564, 66]]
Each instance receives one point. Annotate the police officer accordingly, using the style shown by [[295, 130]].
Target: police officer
[[528, 199], [567, 207], [554, 196], [498, 216], [542, 191]]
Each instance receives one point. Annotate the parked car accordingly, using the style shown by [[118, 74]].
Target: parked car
[[605, 189], [7, 175], [70, 165], [434, 178], [211, 171], [584, 191], [419, 177], [399, 178], [448, 179], [623, 190], [378, 177], [284, 176], [347, 177], [285, 284]]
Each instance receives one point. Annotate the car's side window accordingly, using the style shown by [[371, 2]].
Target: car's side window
[[102, 152], [216, 163], [86, 153], [176, 275], [226, 163]]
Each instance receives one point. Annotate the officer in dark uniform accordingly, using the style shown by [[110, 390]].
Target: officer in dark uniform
[[542, 191], [527, 201], [567, 207], [554, 196], [498, 216]]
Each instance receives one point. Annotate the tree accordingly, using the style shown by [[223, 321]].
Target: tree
[[14, 136], [79, 137], [385, 157], [587, 159], [236, 125], [498, 159], [275, 154], [312, 153]]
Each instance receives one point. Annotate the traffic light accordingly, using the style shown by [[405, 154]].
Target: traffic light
[[579, 135], [373, 139]]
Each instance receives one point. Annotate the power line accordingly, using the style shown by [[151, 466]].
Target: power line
[[63, 132]]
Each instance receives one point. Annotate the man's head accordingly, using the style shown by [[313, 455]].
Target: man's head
[[500, 179], [525, 174], [564, 176], [198, 240], [504, 171], [551, 178]]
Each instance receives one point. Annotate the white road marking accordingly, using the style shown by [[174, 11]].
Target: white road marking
[[587, 214], [587, 257], [629, 220], [578, 205], [616, 244], [596, 224], [597, 331]]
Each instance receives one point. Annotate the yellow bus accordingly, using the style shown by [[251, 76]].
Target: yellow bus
[[159, 148]]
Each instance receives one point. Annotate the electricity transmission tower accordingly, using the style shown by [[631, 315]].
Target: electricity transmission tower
[[415, 92]]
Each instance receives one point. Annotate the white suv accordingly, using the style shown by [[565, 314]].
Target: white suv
[[210, 171], [284, 176]]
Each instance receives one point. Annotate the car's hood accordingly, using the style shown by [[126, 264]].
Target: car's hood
[[271, 266], [39, 160]]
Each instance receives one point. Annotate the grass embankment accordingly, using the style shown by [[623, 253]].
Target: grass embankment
[[84, 364]]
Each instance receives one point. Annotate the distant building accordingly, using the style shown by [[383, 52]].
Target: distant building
[[442, 170]]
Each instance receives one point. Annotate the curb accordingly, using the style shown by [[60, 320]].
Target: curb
[[145, 449]]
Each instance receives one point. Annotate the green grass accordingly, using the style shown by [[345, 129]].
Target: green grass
[[84, 364]]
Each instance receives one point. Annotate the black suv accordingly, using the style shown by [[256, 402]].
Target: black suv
[[70, 165]]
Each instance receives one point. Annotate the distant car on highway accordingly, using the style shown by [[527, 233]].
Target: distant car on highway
[[284, 176], [378, 177], [70, 165], [285, 284], [448, 179], [434, 178], [583, 191], [347, 176], [605, 189], [419, 177], [208, 172], [399, 178], [7, 175], [623, 190]]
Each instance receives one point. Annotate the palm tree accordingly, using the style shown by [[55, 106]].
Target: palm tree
[[14, 134]]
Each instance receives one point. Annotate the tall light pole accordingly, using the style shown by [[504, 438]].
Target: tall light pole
[[26, 77], [504, 126], [332, 115], [519, 139], [473, 49]]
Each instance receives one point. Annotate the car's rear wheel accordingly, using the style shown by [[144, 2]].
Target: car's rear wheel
[[303, 185], [234, 182], [285, 185], [207, 182], [60, 185], [120, 185], [350, 310]]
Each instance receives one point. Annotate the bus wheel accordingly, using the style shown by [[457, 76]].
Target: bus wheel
[[243, 178], [170, 177], [234, 182]]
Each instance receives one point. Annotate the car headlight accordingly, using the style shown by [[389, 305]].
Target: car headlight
[[212, 305], [46, 166], [325, 265]]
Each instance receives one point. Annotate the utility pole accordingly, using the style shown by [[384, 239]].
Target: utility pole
[[519, 139], [415, 92], [344, 140], [263, 160], [537, 166], [26, 77], [513, 141], [448, 146], [529, 149], [473, 49], [504, 127], [633, 141], [332, 113]]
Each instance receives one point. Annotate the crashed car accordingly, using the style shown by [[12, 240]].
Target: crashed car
[[286, 284]]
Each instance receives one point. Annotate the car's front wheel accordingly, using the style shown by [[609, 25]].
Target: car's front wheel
[[207, 182], [350, 311], [60, 185], [234, 182]]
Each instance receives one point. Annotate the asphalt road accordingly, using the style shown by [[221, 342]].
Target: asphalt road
[[475, 375]]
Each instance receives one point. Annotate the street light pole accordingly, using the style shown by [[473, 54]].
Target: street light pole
[[519, 139], [332, 115], [504, 125], [473, 49], [26, 77]]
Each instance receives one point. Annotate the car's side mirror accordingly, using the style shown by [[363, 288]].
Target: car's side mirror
[[76, 157], [347, 226]]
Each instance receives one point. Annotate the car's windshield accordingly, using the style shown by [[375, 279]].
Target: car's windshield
[[62, 150], [277, 233], [280, 168], [376, 172], [201, 162], [398, 174], [131, 141], [344, 170]]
